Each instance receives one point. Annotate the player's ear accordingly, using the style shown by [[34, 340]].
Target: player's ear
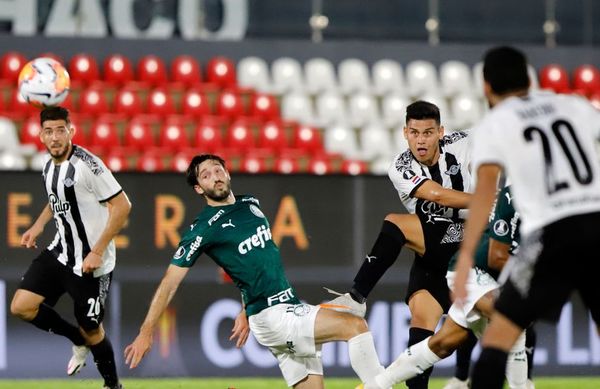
[[405, 130], [441, 132], [198, 189]]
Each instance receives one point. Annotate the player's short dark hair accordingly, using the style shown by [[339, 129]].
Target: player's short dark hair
[[422, 110], [505, 69], [54, 113], [191, 172]]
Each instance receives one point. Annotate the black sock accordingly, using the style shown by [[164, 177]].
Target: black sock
[[48, 320], [383, 254], [489, 369], [530, 340], [416, 335], [463, 357], [104, 357]]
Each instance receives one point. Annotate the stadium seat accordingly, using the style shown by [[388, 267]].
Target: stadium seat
[[400, 142], [320, 165], [272, 137], [264, 106], [354, 76], [18, 105], [320, 76], [11, 64], [116, 161], [186, 69], [455, 78], [287, 76], [38, 161], [83, 68], [138, 136], [393, 110], [533, 78], [173, 137], [12, 161], [93, 101], [380, 165], [466, 110], [150, 162], [388, 78], [181, 160], [253, 164], [354, 167], [160, 102], [363, 110], [30, 133], [421, 78], [152, 70], [555, 77], [478, 79], [586, 78], [341, 139], [442, 104], [375, 141], [104, 136], [331, 110], [286, 165], [80, 137], [253, 72], [238, 136], [117, 69], [229, 104], [207, 136], [221, 71], [297, 106], [9, 139], [127, 102], [308, 139], [195, 103]]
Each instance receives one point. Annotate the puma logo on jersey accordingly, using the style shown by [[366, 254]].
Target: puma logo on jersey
[[453, 170], [370, 257], [508, 197], [262, 236], [228, 224]]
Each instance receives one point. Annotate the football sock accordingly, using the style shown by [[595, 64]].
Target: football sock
[[48, 319], [383, 254], [363, 357], [104, 358], [412, 362], [488, 372], [416, 335], [530, 341], [463, 357], [516, 365]]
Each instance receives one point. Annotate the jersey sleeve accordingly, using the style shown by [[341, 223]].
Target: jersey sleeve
[[500, 226], [191, 246], [102, 182], [405, 179], [484, 147]]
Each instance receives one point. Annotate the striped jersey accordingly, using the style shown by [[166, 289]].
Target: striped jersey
[[546, 144], [78, 189], [451, 171]]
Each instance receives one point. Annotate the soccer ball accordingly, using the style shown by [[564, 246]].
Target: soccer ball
[[44, 82]]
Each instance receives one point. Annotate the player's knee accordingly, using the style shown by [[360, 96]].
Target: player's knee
[[92, 336], [23, 311], [356, 326], [443, 346]]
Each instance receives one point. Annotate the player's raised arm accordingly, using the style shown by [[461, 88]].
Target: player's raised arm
[[432, 191], [163, 295]]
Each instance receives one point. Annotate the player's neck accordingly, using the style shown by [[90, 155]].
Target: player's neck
[[63, 158], [497, 99], [219, 203]]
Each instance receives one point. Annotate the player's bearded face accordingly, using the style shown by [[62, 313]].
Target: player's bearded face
[[219, 191], [56, 136]]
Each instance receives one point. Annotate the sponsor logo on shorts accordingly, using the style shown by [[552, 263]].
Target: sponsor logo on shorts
[[301, 310]]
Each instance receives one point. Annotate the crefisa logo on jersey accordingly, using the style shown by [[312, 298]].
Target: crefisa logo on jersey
[[58, 207], [263, 235]]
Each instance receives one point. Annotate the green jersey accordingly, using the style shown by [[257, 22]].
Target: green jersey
[[503, 226], [238, 238]]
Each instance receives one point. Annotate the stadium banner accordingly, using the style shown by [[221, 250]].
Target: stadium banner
[[324, 226]]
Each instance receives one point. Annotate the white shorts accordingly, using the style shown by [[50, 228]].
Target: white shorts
[[289, 332], [465, 315]]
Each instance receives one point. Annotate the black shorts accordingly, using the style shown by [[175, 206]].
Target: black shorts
[[442, 237], [551, 264], [48, 277]]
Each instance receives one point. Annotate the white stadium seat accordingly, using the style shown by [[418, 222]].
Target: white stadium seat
[[363, 110], [478, 79], [297, 106], [12, 161], [400, 142], [287, 76], [38, 161], [253, 72], [455, 78], [375, 141], [380, 165], [388, 78], [331, 110], [421, 78], [442, 104], [466, 111], [341, 139], [320, 76], [393, 110], [354, 76]]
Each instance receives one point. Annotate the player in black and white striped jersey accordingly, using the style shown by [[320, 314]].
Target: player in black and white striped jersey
[[432, 179], [89, 208], [546, 145]]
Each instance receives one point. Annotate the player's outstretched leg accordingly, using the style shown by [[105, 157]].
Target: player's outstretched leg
[[463, 363]]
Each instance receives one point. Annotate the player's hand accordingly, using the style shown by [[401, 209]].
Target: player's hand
[[463, 266], [91, 262], [137, 350], [29, 238], [240, 330]]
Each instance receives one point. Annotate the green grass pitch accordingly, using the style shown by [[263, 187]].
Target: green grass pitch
[[260, 383]]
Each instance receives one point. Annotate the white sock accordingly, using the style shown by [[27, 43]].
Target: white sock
[[516, 365], [363, 357], [412, 362]]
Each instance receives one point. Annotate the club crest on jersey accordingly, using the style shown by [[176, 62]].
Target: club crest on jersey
[[453, 170], [58, 207], [256, 211], [69, 182], [501, 227]]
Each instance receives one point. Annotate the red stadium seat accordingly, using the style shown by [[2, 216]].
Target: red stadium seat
[[138, 136], [320, 165], [264, 106], [308, 139], [117, 69], [195, 103], [151, 69], [54, 56], [83, 68], [11, 64], [18, 105], [555, 77], [30, 133], [160, 102], [207, 136], [253, 164], [116, 161], [185, 69], [587, 78], [80, 138], [127, 102], [221, 71], [239, 136], [173, 137], [104, 136], [230, 105], [287, 165], [150, 162], [354, 167], [272, 136], [181, 160], [93, 101]]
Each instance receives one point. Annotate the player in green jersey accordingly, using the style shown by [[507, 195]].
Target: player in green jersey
[[495, 247], [233, 232]]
